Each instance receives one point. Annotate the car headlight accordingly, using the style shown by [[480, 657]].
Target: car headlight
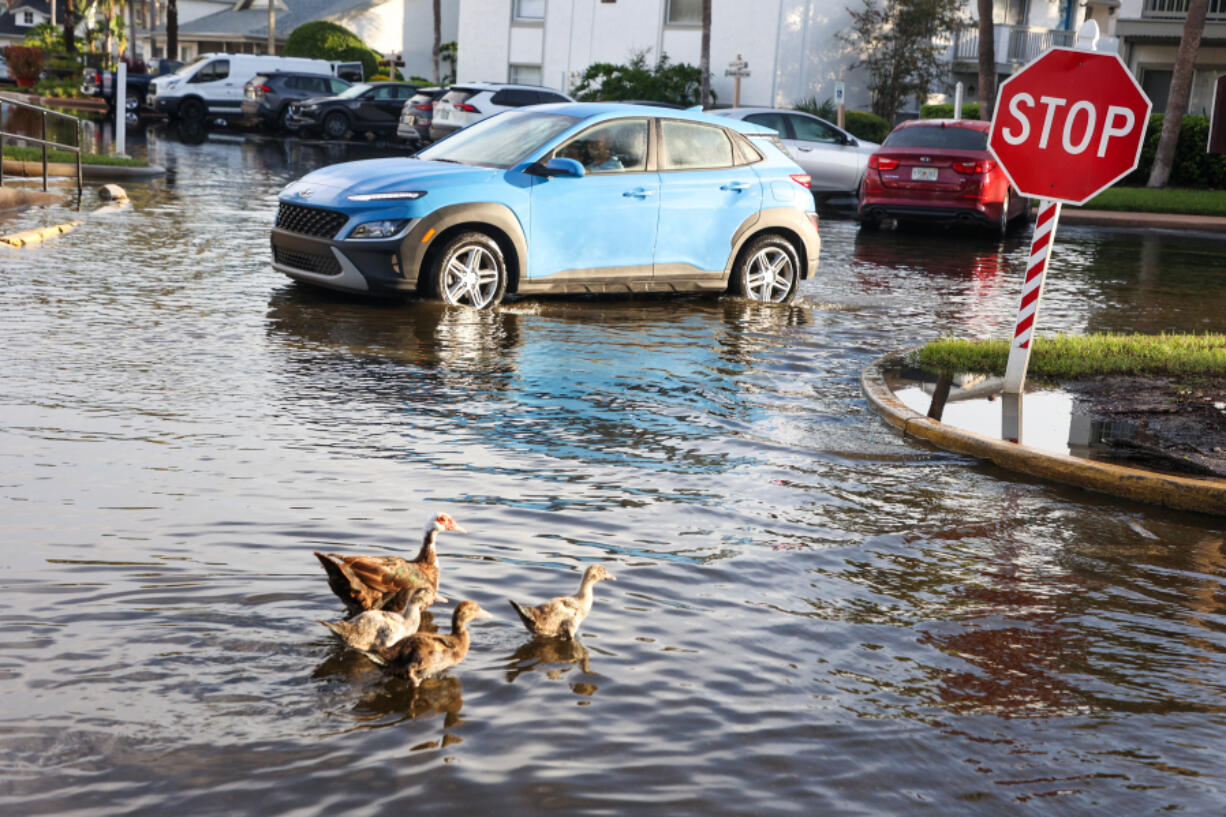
[[401, 195], [308, 107], [378, 229]]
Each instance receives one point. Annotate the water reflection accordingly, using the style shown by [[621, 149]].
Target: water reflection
[[554, 657]]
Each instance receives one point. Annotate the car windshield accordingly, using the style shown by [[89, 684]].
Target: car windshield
[[937, 136], [502, 140], [191, 66], [354, 90]]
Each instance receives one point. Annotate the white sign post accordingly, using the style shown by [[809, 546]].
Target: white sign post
[[840, 94], [121, 107], [737, 68]]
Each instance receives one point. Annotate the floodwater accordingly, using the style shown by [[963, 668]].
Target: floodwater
[[812, 615]]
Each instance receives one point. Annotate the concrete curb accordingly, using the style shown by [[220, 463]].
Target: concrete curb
[[34, 170], [13, 197], [1184, 493]]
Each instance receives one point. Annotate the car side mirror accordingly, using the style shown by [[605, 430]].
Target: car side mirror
[[561, 166]]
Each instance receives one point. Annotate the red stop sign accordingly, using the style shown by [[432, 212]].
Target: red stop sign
[[1069, 125]]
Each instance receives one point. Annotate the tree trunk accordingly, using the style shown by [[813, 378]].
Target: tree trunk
[[172, 29], [1181, 86], [987, 61], [272, 27], [438, 37], [70, 20], [704, 59]]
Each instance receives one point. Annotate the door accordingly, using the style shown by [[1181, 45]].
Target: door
[[601, 227], [215, 85], [822, 151], [379, 108], [704, 197]]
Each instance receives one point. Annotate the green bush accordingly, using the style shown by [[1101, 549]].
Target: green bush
[[1192, 167], [865, 125], [826, 110], [945, 110], [329, 41], [678, 83]]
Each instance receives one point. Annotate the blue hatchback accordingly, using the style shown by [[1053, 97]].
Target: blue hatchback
[[585, 197]]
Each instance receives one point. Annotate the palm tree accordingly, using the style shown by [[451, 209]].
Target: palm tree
[[172, 29], [704, 60], [438, 37], [1177, 98], [987, 61]]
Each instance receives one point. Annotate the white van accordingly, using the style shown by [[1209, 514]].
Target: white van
[[213, 83]]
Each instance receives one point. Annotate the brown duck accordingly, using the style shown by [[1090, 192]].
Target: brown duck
[[421, 655], [563, 615], [382, 628], [385, 582]]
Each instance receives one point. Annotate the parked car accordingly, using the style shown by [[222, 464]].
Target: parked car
[[267, 96], [417, 113], [732, 212], [372, 107], [939, 170], [136, 86], [463, 105], [834, 159], [213, 83], [5, 76]]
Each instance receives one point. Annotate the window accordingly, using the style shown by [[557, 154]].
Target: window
[[215, 70], [525, 75], [27, 18], [334, 86], [1157, 86], [689, 145], [609, 148], [515, 98], [529, 9], [774, 121], [749, 153], [684, 12], [811, 130], [937, 136]]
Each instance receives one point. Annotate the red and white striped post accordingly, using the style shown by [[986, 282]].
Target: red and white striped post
[[1032, 290]]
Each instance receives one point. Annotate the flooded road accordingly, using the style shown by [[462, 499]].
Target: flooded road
[[812, 615]]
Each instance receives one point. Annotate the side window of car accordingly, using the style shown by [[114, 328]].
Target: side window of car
[[811, 130], [405, 92], [221, 69], [693, 146], [215, 70], [748, 153], [545, 98], [609, 148], [775, 121], [383, 92], [334, 86], [514, 98], [296, 83]]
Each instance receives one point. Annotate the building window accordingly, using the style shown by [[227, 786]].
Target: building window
[[525, 74], [684, 12], [27, 18], [529, 9]]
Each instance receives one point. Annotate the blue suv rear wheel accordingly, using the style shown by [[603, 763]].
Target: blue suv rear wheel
[[768, 270]]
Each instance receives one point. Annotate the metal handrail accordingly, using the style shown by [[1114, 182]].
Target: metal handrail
[[5, 100]]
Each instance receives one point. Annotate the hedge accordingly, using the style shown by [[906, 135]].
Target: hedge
[[1193, 167], [865, 125], [945, 110], [328, 41]]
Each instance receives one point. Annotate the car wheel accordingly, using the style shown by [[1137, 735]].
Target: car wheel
[[191, 110], [1002, 225], [284, 119], [335, 125], [768, 270], [870, 222], [470, 271], [133, 99]]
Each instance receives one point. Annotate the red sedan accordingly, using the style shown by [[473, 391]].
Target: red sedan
[[938, 170]]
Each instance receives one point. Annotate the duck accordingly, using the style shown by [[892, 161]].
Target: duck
[[562, 616], [385, 582], [418, 656], [382, 628]]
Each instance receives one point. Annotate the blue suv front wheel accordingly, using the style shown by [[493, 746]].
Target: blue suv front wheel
[[470, 271]]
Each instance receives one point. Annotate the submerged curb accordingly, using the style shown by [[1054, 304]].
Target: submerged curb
[[1184, 493], [34, 170]]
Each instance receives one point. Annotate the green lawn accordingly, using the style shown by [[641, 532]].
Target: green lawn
[[1059, 357], [1163, 200], [29, 154]]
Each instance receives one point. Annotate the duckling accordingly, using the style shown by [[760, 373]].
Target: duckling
[[421, 655], [381, 628], [563, 615], [385, 582]]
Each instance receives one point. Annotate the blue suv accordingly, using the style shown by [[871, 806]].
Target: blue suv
[[568, 198]]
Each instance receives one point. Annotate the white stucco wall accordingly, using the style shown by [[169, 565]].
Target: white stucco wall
[[790, 45], [417, 37]]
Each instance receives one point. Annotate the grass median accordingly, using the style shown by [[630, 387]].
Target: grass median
[[1180, 201], [29, 154], [1061, 357]]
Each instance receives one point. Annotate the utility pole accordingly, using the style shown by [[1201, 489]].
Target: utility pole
[[272, 27]]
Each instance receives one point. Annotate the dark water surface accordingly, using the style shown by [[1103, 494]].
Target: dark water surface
[[812, 615]]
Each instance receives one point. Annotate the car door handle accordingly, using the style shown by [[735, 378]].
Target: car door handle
[[805, 150], [735, 187], [639, 193]]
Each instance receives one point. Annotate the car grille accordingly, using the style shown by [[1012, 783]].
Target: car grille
[[307, 261], [310, 220]]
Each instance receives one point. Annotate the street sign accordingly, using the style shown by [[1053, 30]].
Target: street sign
[[1069, 125], [1066, 127], [839, 92], [737, 68]]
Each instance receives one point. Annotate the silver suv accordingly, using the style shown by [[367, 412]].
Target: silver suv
[[471, 102]]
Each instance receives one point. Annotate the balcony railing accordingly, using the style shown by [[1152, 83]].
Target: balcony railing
[[1178, 10], [1013, 44]]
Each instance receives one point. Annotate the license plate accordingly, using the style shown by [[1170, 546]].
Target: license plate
[[443, 114], [923, 174]]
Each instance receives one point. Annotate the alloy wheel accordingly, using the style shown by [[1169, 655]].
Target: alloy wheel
[[770, 275], [471, 277]]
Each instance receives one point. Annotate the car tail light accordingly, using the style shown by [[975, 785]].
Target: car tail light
[[422, 107], [801, 179], [981, 166], [466, 108], [264, 89], [882, 163]]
